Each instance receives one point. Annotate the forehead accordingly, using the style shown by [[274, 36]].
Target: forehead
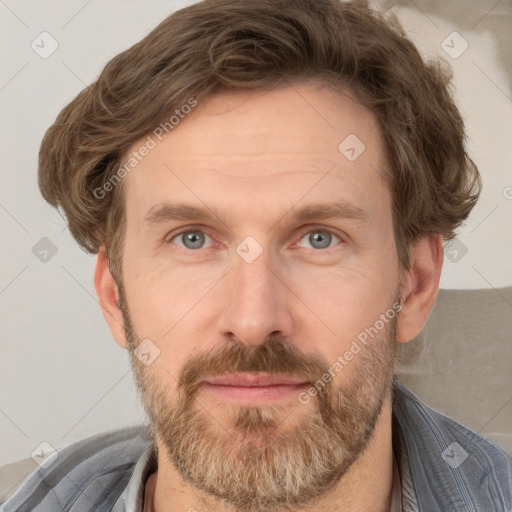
[[245, 146]]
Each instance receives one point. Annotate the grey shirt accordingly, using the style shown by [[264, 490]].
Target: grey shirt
[[440, 466]]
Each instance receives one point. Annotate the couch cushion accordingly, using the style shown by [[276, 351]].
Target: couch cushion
[[461, 362], [13, 475]]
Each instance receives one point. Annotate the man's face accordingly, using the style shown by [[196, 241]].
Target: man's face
[[256, 289]]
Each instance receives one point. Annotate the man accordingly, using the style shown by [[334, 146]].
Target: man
[[268, 186]]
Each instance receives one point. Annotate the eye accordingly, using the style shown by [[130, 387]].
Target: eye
[[320, 238], [191, 239]]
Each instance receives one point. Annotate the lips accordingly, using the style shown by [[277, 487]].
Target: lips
[[253, 380], [253, 388]]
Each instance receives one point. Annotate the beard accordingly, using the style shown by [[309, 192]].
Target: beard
[[271, 457]]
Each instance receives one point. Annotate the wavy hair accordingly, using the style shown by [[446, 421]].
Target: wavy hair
[[246, 44]]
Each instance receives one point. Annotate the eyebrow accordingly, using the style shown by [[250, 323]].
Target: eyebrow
[[165, 212]]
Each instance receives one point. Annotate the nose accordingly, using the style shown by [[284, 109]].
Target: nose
[[255, 303]]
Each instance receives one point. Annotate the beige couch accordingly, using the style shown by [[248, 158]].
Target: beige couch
[[460, 364]]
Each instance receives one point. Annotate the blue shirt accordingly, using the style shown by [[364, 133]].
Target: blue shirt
[[442, 467]]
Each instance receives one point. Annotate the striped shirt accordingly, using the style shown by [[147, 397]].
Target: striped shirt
[[439, 466]]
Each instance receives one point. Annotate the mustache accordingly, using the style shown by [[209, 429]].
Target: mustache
[[275, 355]]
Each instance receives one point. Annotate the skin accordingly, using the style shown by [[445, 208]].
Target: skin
[[254, 156]]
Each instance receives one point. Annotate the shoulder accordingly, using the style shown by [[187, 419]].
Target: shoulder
[[104, 461], [449, 464]]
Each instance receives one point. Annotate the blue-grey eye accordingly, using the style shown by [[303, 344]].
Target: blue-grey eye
[[319, 239], [192, 239]]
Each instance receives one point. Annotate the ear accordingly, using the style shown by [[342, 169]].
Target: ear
[[420, 285], [108, 295]]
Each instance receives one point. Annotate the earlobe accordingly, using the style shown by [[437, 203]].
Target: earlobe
[[108, 296], [420, 286]]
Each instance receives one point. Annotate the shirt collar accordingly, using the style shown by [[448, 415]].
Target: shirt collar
[[132, 498], [396, 489]]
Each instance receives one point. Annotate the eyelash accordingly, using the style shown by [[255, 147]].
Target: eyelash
[[302, 232]]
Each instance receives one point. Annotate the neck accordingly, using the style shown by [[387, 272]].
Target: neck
[[366, 485]]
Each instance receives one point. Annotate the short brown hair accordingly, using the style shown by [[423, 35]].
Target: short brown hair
[[246, 44]]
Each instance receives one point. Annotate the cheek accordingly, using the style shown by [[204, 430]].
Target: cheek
[[347, 297], [350, 302], [166, 306], [160, 292]]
